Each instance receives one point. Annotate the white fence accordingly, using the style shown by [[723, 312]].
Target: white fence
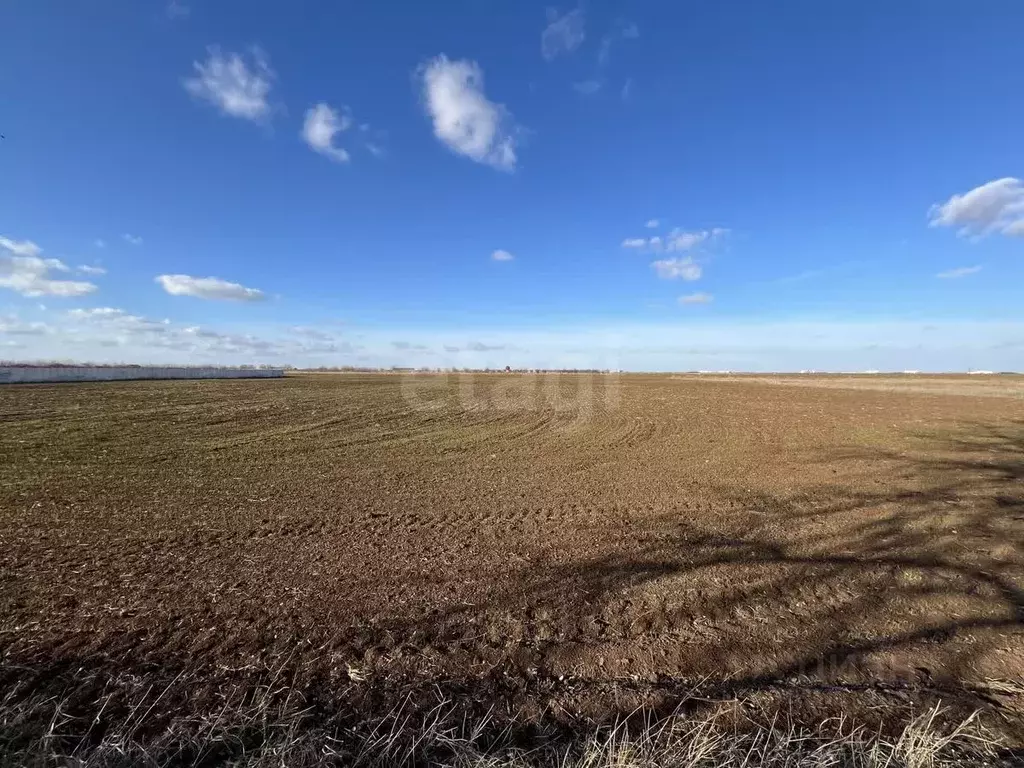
[[29, 375]]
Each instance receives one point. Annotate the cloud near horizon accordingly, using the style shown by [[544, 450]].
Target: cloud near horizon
[[107, 334], [23, 270]]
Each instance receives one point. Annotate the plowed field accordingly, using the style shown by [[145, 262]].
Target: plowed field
[[586, 530]]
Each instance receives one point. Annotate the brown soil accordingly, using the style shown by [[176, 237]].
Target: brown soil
[[630, 535]]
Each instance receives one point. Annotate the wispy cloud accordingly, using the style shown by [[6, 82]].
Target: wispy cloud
[[479, 346], [501, 255], [132, 239], [671, 269], [624, 30], [696, 298], [679, 343], [373, 140], [233, 86], [149, 338], [995, 207], [588, 87], [99, 243], [652, 224], [20, 247], [11, 325], [476, 346], [959, 272], [87, 269], [563, 34], [312, 333], [464, 119], [208, 288], [675, 241], [176, 10], [322, 124], [23, 270], [627, 89]]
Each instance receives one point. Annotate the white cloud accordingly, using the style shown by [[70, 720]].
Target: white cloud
[[132, 239], [652, 223], [118, 323], [679, 344], [94, 312], [312, 333], [208, 288], [685, 241], [670, 269], [110, 327], [563, 34], [588, 87], [997, 206], [10, 325], [321, 126], [24, 271], [959, 272], [501, 255], [464, 119], [100, 243], [677, 240], [87, 269], [479, 346], [1015, 228], [408, 346], [20, 248], [696, 298], [227, 82]]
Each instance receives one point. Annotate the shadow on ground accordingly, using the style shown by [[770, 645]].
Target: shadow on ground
[[908, 593]]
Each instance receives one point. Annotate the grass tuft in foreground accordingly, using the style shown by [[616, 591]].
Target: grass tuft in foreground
[[262, 729]]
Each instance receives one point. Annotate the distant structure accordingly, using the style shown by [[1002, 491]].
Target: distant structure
[[42, 374]]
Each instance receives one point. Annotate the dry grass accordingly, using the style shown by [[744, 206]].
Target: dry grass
[[262, 728]]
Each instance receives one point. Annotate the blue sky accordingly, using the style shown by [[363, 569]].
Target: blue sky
[[647, 185]]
